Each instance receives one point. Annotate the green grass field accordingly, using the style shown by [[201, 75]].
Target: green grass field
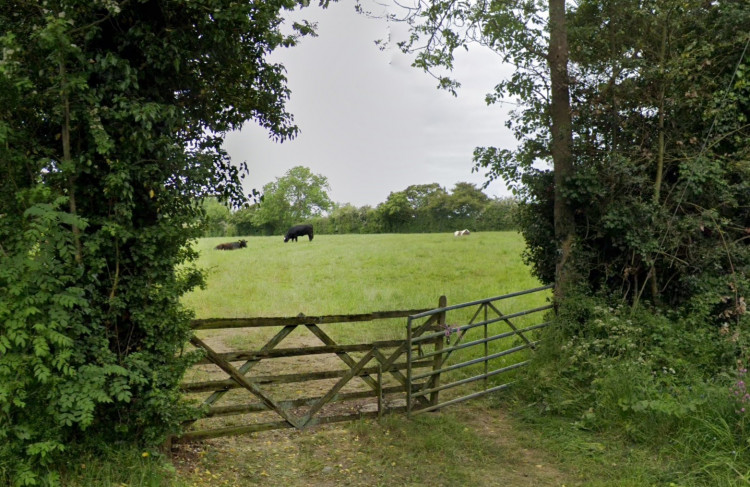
[[337, 274]]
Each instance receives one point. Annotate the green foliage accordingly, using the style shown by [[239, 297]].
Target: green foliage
[[430, 208], [424, 208], [243, 220], [660, 135], [120, 465], [348, 219], [112, 116], [218, 219], [650, 375], [292, 199], [499, 214], [672, 236]]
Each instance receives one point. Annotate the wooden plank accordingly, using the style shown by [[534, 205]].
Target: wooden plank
[[242, 380], [345, 357], [217, 323], [357, 369], [387, 362], [351, 417], [198, 435], [295, 403], [331, 347], [221, 385], [379, 392], [254, 428], [247, 366]]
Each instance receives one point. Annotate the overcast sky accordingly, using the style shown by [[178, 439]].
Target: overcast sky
[[370, 122]]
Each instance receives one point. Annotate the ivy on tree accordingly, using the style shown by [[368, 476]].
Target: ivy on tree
[[112, 115]]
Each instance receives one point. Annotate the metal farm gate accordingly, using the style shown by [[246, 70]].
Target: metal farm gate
[[325, 377], [465, 350]]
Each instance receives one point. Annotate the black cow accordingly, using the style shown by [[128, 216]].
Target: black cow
[[298, 231], [232, 245]]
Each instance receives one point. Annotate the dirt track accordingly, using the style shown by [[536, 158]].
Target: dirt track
[[363, 453]]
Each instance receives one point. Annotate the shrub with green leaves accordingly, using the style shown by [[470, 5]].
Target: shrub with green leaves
[[658, 377], [112, 115]]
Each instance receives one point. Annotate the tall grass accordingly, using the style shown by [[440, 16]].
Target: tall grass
[[120, 466]]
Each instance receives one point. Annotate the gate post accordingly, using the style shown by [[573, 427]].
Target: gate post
[[380, 391], [408, 367], [437, 362]]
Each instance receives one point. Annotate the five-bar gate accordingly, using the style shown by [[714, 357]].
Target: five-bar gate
[[467, 349]]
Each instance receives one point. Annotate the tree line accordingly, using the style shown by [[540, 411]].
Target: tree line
[[301, 196]]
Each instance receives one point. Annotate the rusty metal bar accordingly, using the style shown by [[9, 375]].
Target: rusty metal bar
[[439, 343], [474, 378], [486, 346], [430, 336], [464, 398], [510, 324], [472, 362], [505, 334], [480, 301]]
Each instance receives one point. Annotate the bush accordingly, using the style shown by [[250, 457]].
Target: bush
[[638, 370]]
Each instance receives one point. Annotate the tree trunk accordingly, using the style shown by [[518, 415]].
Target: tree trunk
[[562, 138], [68, 159]]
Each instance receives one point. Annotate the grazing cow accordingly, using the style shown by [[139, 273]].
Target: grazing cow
[[232, 245], [460, 233], [298, 231]]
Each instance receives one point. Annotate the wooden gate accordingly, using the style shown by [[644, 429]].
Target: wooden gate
[[331, 381], [368, 370]]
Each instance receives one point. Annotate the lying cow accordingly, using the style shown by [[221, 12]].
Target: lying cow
[[460, 233], [232, 245], [298, 231]]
